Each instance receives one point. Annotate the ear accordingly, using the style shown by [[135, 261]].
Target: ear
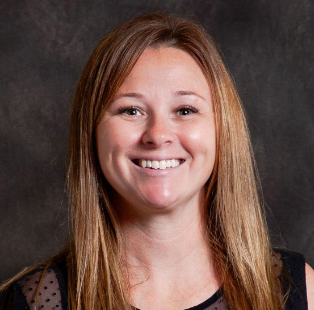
[[309, 272]]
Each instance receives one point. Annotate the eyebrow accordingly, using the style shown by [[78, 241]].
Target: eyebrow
[[129, 95], [178, 93], [188, 93]]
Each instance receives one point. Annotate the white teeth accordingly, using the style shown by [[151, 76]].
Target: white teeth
[[155, 164], [162, 164]]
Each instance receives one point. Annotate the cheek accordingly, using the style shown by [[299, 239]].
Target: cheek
[[114, 140], [106, 140], [200, 140]]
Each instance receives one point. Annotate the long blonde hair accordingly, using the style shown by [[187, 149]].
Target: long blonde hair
[[236, 223]]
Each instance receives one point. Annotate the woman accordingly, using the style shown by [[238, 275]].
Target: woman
[[165, 206]]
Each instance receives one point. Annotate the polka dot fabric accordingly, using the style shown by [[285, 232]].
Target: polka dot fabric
[[48, 297], [218, 305]]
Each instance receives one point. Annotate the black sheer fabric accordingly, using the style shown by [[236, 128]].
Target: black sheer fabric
[[48, 297], [294, 265], [52, 292], [26, 293]]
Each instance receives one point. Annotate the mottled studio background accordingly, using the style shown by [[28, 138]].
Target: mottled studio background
[[268, 47]]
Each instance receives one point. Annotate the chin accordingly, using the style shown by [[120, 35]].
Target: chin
[[160, 205], [160, 202]]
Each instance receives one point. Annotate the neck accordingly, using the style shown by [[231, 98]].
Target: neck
[[164, 240], [166, 249]]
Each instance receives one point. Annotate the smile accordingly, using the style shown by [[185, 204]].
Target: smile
[[159, 164]]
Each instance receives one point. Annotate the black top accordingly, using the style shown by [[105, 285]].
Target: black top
[[53, 290]]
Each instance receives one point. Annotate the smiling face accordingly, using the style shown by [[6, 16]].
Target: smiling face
[[156, 140]]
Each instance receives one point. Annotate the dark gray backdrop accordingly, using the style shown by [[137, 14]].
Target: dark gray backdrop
[[268, 47]]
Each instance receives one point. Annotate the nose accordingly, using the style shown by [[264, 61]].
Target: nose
[[158, 132]]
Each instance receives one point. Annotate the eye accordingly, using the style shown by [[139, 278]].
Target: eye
[[130, 111], [186, 110]]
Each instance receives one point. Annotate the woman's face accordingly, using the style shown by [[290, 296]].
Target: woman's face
[[156, 140]]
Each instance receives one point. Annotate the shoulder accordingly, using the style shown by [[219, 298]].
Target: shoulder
[[295, 276], [293, 263], [310, 286], [41, 288]]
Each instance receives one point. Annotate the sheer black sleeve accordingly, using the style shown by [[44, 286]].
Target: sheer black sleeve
[[37, 290], [294, 265]]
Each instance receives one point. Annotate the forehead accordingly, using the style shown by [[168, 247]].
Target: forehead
[[168, 66]]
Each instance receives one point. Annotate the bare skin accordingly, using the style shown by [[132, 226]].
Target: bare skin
[[169, 262], [310, 286]]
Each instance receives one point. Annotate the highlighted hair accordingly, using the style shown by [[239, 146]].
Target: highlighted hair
[[237, 229]]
